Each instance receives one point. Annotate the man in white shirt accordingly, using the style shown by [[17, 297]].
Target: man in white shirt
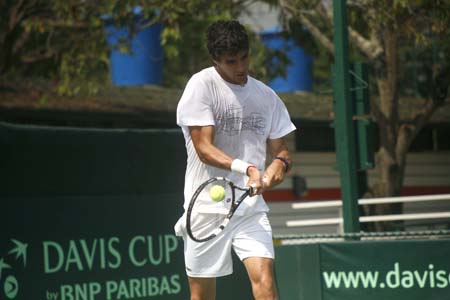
[[229, 120]]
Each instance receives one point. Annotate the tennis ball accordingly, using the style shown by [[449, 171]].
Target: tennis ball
[[217, 193]]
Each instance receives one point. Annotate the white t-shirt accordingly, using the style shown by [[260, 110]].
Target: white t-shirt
[[244, 118]]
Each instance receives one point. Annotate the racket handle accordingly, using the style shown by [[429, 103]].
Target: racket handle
[[251, 189]]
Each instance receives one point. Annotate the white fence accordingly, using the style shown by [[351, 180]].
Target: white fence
[[325, 217], [444, 215], [425, 169]]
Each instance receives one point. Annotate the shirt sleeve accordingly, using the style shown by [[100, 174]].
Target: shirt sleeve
[[281, 121], [195, 106]]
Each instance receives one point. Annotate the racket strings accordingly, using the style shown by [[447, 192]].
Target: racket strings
[[203, 223]]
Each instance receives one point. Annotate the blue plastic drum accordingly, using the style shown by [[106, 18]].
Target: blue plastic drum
[[144, 65], [299, 72]]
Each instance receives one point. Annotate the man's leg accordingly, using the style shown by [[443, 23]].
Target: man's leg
[[202, 288], [260, 271], [206, 261]]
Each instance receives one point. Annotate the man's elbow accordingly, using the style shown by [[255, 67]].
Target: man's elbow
[[204, 156]]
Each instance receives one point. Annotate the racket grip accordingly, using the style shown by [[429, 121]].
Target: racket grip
[[251, 190]]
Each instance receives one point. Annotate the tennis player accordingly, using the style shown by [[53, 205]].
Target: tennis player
[[230, 121]]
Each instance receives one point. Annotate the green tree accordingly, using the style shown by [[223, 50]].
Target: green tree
[[64, 40], [378, 31]]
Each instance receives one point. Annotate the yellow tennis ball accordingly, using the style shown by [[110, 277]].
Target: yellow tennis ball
[[217, 193]]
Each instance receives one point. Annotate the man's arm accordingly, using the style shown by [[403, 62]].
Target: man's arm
[[276, 171], [203, 140]]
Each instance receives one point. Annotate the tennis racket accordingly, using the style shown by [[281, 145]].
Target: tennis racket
[[202, 227]]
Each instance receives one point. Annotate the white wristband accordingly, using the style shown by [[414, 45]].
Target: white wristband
[[240, 166]]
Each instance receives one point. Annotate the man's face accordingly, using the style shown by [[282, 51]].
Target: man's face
[[233, 68]]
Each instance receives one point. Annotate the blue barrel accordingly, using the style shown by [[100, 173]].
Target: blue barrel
[[298, 72], [144, 65]]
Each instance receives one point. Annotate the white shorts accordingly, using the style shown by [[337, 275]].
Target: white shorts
[[248, 236]]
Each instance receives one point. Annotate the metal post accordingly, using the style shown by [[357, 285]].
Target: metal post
[[344, 125], [364, 134]]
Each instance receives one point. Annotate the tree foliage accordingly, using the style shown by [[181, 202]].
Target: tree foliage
[[64, 40], [387, 34]]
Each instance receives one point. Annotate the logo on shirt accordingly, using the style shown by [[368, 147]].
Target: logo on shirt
[[232, 122]]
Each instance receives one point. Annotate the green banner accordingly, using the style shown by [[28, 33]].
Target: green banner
[[386, 270], [369, 270]]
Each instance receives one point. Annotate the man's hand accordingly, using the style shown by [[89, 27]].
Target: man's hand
[[276, 171], [255, 180], [274, 174]]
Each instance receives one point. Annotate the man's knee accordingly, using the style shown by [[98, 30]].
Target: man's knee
[[202, 288], [265, 288]]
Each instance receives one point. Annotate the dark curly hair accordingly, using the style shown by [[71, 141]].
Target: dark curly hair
[[226, 37]]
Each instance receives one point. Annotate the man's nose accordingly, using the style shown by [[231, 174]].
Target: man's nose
[[242, 65]]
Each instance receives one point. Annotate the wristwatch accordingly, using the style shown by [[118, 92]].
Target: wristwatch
[[287, 165]]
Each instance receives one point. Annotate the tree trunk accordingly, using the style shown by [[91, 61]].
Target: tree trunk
[[390, 166]]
